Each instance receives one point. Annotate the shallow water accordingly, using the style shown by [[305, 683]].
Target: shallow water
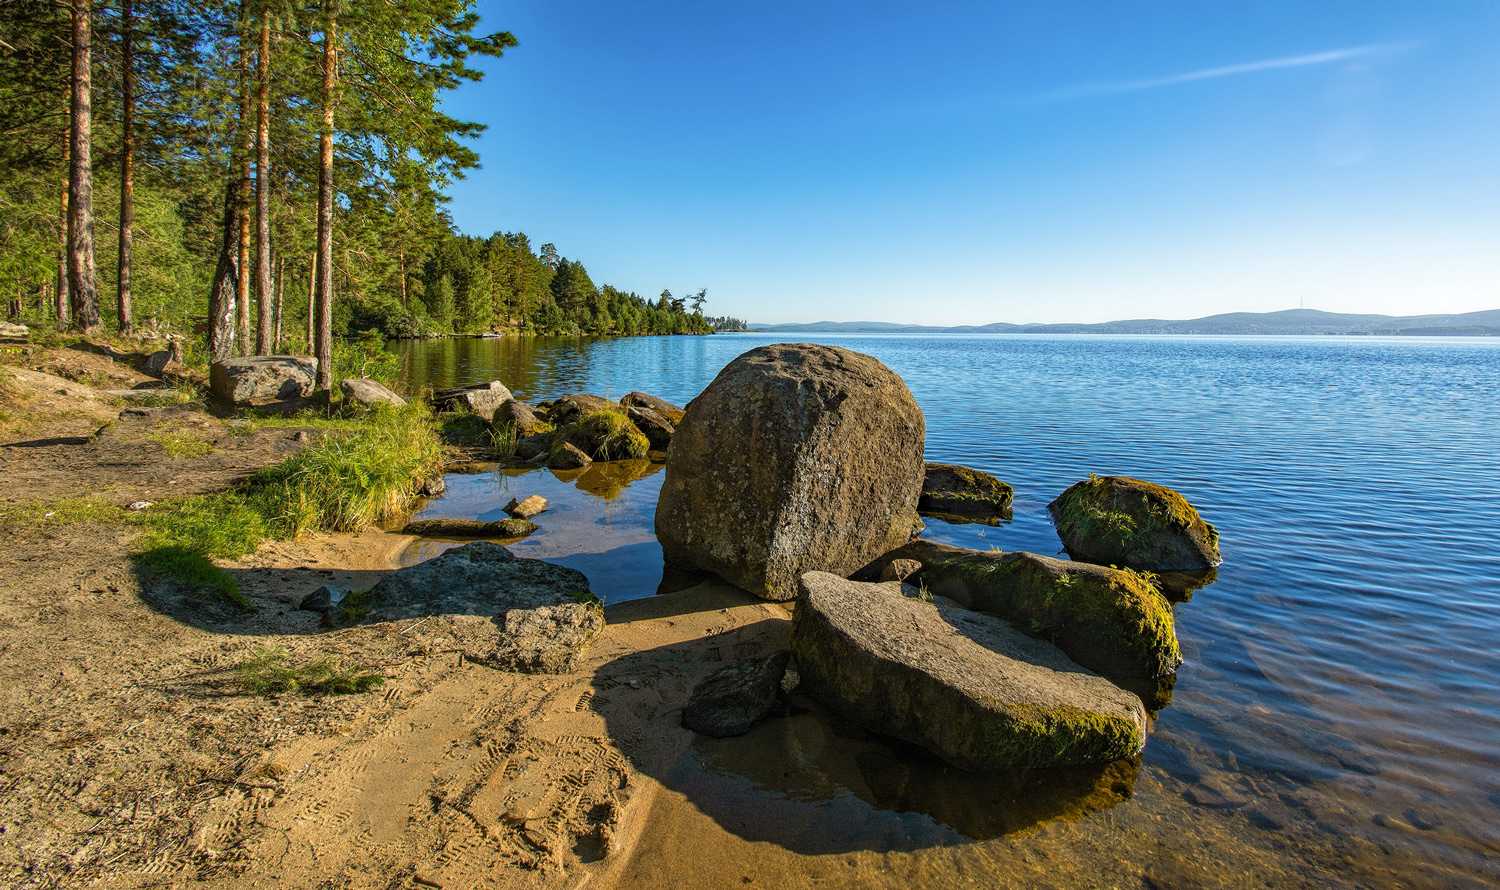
[[1335, 722]]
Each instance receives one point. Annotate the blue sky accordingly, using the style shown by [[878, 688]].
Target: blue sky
[[957, 163]]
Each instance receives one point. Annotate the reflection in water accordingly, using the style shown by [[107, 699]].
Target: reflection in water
[[609, 479], [815, 783]]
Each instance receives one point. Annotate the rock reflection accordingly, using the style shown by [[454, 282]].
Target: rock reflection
[[609, 479], [815, 783], [1179, 586]]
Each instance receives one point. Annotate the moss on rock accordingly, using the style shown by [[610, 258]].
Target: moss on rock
[[953, 492], [1116, 520]]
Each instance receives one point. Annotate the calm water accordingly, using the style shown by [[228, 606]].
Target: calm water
[[1336, 721]]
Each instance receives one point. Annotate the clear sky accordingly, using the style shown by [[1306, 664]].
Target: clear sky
[[971, 162]]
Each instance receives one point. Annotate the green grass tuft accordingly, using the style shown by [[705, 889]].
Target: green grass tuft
[[182, 444], [266, 671]]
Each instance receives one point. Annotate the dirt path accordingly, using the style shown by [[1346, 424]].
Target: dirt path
[[130, 758]]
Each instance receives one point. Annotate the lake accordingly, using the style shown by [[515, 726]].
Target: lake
[[1335, 722]]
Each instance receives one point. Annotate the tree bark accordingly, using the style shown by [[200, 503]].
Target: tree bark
[[247, 150], [280, 290], [324, 313], [312, 301], [83, 281], [264, 331], [127, 164], [222, 312], [60, 292]]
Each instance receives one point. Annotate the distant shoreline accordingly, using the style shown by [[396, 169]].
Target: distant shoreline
[[1290, 322]]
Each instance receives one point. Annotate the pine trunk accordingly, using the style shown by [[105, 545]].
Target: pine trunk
[[264, 331], [60, 292], [247, 150], [83, 282], [280, 290], [221, 299], [312, 301], [324, 327], [127, 164]]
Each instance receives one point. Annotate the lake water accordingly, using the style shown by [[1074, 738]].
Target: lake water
[[1336, 721]]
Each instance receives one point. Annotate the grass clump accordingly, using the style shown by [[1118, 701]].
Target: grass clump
[[612, 436], [183, 444], [267, 671], [349, 482]]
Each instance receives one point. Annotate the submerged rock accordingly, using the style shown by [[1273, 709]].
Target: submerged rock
[[953, 492], [797, 457], [544, 640], [368, 392], [966, 686], [732, 700], [469, 528], [666, 409], [1116, 520], [526, 507], [254, 379], [481, 578], [1106, 619]]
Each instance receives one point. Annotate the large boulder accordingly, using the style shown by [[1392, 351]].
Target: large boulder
[[1108, 620], [255, 379], [966, 686], [797, 457], [953, 492], [369, 392], [666, 409], [482, 399], [1116, 520], [482, 578]]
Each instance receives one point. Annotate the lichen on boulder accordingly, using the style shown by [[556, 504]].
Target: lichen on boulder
[[797, 457], [1116, 520], [964, 685], [1109, 620], [952, 492]]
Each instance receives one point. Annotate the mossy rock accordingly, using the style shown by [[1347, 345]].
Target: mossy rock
[[1116, 520], [608, 435], [952, 492], [964, 685], [569, 409], [1109, 620]]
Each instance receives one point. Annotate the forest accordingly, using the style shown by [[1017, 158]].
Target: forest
[[268, 174]]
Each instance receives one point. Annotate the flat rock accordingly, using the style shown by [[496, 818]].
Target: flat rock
[[253, 379], [730, 701], [482, 578], [469, 528], [666, 409], [1106, 619], [951, 492], [543, 640], [482, 399], [527, 507], [1116, 520], [797, 457], [369, 392], [964, 685]]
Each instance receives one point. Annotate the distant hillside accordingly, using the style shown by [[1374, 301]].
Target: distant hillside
[[1288, 321]]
